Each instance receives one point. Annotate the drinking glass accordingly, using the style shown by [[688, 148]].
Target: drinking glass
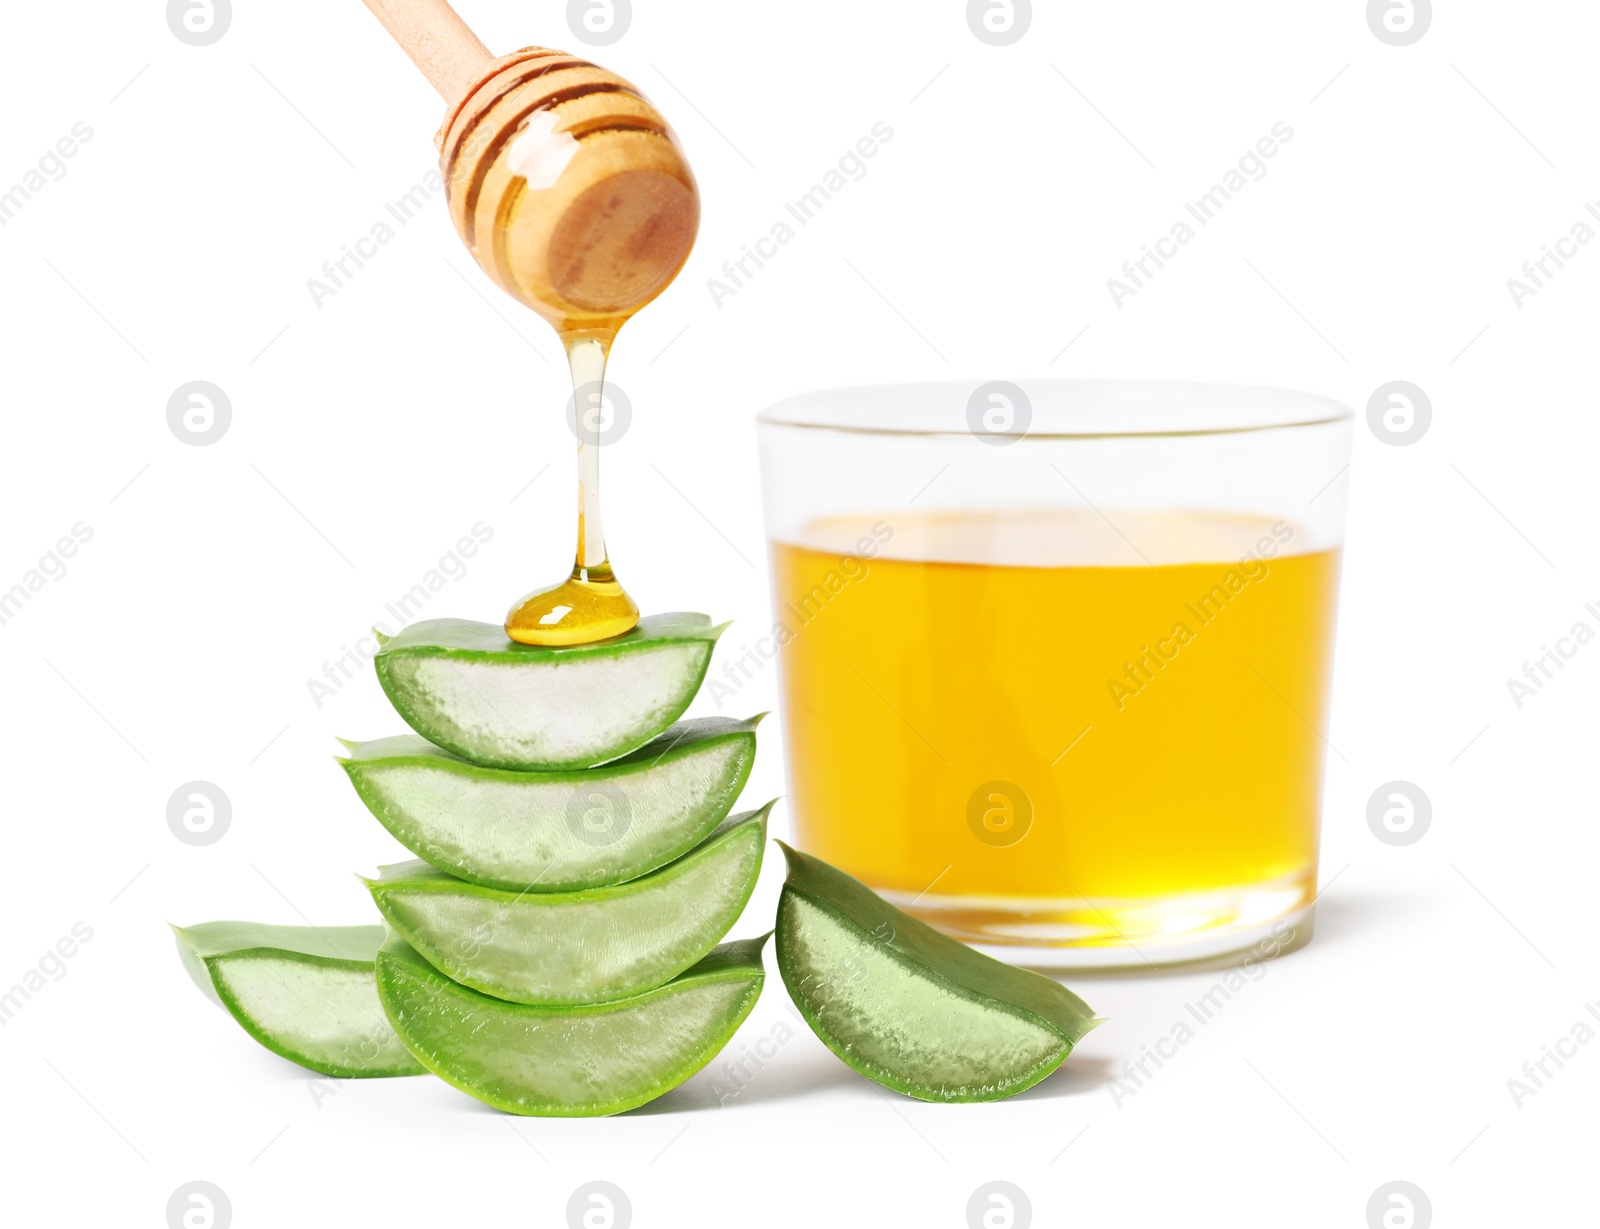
[[1055, 656]]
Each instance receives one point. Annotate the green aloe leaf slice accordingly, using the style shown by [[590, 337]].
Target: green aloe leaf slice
[[468, 687], [578, 947], [306, 993], [557, 831], [911, 1008], [569, 1061]]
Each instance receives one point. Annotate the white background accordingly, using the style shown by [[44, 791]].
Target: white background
[[377, 430]]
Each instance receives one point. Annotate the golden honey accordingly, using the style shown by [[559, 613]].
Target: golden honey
[[590, 604]]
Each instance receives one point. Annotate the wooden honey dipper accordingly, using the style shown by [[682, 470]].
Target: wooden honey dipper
[[566, 184], [573, 194]]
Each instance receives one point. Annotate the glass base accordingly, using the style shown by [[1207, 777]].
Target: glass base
[[1227, 925]]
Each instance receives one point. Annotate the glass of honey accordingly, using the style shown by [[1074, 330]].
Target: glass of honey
[[1055, 656]]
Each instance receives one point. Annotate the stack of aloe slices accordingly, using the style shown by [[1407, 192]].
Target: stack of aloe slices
[[554, 950]]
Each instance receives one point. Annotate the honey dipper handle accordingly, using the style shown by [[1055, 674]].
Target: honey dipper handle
[[438, 42]]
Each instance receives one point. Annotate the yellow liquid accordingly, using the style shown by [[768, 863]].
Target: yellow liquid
[[997, 722], [588, 606], [591, 603]]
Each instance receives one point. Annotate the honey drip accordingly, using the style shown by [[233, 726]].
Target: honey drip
[[590, 604]]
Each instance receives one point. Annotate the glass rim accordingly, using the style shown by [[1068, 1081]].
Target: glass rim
[[820, 409]]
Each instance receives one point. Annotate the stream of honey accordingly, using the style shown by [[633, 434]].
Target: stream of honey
[[591, 603]]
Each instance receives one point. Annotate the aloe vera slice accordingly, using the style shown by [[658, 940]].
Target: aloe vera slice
[[306, 993], [556, 831], [911, 1008], [569, 1061], [468, 687], [569, 948]]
